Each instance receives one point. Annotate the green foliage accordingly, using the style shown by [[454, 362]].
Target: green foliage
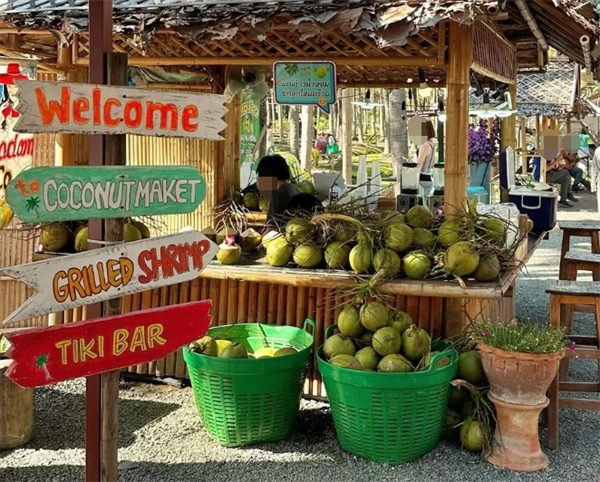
[[521, 337], [323, 124]]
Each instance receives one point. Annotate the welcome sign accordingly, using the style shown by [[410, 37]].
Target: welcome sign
[[46, 194]]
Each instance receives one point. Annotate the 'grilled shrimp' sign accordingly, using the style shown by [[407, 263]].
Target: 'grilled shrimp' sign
[[45, 194]]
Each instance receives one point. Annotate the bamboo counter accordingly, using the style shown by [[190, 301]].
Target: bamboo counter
[[255, 292]]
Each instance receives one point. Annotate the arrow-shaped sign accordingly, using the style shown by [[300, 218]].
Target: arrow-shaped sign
[[67, 282], [43, 356]]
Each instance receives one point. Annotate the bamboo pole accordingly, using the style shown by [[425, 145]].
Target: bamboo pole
[[346, 139], [308, 131], [568, 125], [524, 145], [508, 125]]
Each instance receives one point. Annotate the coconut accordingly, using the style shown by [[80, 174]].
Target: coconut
[[298, 230], [270, 236], [416, 265], [461, 259], [387, 262], [423, 238], [210, 233], [237, 197], [386, 341], [398, 237], [131, 233], [360, 258], [456, 400], [488, 268], [440, 363], [529, 225], [449, 233], [263, 204], [54, 237], [346, 361], [337, 255], [250, 201], [235, 350], [391, 217], [81, 239], [142, 228], [338, 345], [366, 339], [494, 230], [227, 231], [206, 346], [279, 252], [307, 187], [368, 358], [416, 343], [229, 252], [265, 352], [308, 256], [373, 315], [286, 350], [344, 232], [400, 320], [450, 430], [348, 322], [474, 435], [470, 368], [419, 217], [250, 240], [394, 363]]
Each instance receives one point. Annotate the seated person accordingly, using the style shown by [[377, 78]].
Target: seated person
[[576, 173], [273, 184], [321, 143], [555, 173]]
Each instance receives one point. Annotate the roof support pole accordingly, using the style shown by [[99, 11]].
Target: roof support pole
[[523, 145], [508, 125], [346, 140], [533, 25]]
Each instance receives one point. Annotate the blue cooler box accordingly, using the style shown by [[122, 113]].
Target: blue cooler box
[[540, 206]]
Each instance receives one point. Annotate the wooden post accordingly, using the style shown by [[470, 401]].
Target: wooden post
[[568, 124], [16, 411], [346, 140], [460, 51], [308, 137], [508, 125], [523, 145]]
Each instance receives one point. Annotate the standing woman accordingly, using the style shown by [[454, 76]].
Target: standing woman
[[426, 154]]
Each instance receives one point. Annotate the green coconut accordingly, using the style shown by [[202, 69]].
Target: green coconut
[[210, 233], [348, 322], [450, 431], [373, 315], [279, 252], [298, 230], [387, 262], [360, 258], [308, 256], [235, 350], [461, 259], [54, 237], [416, 265], [368, 358], [386, 341], [142, 228], [286, 350], [494, 230], [81, 239], [338, 345], [416, 343], [474, 435], [440, 363], [270, 236], [131, 233], [470, 368], [229, 253], [488, 268], [400, 320], [345, 232], [346, 361], [530, 225], [419, 217], [398, 237], [456, 400], [423, 238], [394, 363], [263, 204], [307, 187], [224, 233], [206, 346], [449, 232], [237, 197], [250, 201], [366, 339], [337, 255], [391, 217], [250, 240]]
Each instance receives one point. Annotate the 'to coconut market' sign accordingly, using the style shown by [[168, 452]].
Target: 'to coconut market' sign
[[16, 154], [305, 83], [46, 194], [100, 109], [102, 274]]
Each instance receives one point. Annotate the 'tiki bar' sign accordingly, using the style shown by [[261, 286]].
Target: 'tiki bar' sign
[[100, 109], [102, 274], [45, 194], [43, 356]]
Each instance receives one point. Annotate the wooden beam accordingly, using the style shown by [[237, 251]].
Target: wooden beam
[[480, 69], [532, 23], [442, 43]]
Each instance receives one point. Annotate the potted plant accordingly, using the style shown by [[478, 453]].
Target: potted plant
[[520, 361], [484, 142]]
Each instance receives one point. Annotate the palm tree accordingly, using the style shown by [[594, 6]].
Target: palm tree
[[290, 70], [41, 363]]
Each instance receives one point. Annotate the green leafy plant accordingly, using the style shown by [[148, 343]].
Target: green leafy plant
[[521, 337]]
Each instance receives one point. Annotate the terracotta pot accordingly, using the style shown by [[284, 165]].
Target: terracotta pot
[[519, 378], [516, 444]]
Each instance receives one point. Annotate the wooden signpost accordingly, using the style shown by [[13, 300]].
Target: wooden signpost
[[100, 109], [43, 356], [46, 194], [67, 282]]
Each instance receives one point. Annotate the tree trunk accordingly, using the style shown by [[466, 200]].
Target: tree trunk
[[308, 136], [382, 115], [346, 134], [333, 120], [280, 121], [294, 118], [386, 122], [264, 122], [267, 104], [272, 124], [398, 133], [360, 121]]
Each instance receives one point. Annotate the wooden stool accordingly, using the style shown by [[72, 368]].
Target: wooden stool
[[565, 294], [579, 228]]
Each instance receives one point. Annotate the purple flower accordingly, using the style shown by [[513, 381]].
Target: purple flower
[[485, 333], [572, 347]]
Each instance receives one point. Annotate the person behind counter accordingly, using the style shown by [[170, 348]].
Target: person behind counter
[[425, 155], [556, 173]]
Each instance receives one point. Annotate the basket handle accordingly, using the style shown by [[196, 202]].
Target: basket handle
[[449, 352], [329, 331], [308, 322]]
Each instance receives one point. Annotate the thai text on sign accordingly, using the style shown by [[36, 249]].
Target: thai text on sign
[[45, 194], [43, 356], [99, 275], [100, 109]]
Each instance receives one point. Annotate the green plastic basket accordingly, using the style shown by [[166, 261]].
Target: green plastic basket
[[388, 417], [243, 401]]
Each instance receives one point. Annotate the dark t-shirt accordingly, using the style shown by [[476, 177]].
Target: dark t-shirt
[[281, 198]]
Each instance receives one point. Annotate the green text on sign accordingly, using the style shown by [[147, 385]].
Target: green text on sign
[[45, 194]]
